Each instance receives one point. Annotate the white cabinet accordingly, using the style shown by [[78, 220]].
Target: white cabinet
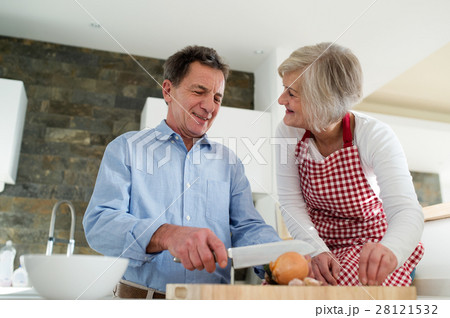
[[13, 105], [432, 273], [246, 132]]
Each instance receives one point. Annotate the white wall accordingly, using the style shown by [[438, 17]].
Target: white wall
[[426, 145], [268, 87]]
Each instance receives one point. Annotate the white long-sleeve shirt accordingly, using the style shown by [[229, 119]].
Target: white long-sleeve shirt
[[386, 169]]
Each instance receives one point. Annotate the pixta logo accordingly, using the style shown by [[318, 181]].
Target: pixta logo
[[145, 150], [150, 150]]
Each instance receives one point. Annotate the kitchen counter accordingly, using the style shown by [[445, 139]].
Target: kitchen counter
[[204, 291], [27, 293], [18, 293], [251, 292]]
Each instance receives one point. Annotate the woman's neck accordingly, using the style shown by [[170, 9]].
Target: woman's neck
[[330, 139]]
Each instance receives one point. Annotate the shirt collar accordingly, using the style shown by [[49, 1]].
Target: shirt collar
[[165, 132]]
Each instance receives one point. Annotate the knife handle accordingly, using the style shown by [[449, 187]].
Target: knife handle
[[177, 260]]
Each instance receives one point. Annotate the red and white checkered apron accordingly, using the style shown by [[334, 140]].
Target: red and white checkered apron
[[345, 210]]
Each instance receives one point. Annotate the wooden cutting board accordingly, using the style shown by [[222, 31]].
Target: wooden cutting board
[[253, 292]]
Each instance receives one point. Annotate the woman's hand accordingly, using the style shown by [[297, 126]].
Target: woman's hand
[[375, 264], [325, 268]]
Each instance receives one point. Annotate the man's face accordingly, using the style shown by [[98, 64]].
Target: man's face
[[195, 102]]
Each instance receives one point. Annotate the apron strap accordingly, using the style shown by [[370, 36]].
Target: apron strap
[[307, 134], [346, 131]]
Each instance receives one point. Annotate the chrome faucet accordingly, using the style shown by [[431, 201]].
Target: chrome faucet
[[51, 234]]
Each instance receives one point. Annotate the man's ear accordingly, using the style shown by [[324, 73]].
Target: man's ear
[[166, 89]]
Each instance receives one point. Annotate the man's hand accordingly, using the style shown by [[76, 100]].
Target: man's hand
[[197, 248], [325, 268], [375, 264]]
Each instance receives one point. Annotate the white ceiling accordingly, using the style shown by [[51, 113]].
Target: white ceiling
[[422, 92], [389, 37]]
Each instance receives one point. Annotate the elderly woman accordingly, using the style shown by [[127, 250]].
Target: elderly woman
[[345, 186]]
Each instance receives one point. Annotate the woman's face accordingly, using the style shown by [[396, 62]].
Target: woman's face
[[290, 98]]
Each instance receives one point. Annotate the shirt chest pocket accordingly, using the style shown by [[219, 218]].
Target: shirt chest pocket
[[218, 201]]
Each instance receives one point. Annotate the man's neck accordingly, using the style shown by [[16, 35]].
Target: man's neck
[[188, 142]]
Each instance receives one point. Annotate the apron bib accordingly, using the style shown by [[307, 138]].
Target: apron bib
[[345, 210]]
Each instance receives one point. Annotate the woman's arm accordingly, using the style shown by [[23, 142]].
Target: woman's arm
[[292, 204], [381, 151]]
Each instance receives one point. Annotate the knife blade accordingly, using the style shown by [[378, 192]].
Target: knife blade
[[260, 254]]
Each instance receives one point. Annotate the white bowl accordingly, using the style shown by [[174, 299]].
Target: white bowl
[[74, 277]]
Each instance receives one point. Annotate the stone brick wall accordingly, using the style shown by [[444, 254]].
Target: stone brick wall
[[78, 100]]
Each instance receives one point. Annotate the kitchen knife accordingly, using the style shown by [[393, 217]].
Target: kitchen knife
[[260, 254]]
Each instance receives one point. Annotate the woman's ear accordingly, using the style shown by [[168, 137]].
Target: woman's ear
[[166, 89]]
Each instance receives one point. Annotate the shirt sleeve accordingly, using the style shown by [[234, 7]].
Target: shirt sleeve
[[109, 226], [381, 151], [292, 204]]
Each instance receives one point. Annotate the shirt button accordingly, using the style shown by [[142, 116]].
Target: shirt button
[[187, 156], [188, 185], [172, 141], [176, 137], [188, 217]]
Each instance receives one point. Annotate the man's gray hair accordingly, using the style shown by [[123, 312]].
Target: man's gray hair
[[176, 66]]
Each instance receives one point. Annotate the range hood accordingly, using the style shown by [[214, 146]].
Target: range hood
[[13, 106]]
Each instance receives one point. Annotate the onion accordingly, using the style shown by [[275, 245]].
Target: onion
[[289, 266]]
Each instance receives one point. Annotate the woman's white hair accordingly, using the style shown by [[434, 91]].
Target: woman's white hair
[[330, 82]]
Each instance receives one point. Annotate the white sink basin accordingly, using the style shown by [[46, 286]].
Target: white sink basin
[[74, 277]]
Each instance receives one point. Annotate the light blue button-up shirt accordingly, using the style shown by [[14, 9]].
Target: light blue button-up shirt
[[148, 178]]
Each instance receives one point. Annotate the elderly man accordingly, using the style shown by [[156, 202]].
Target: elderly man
[[171, 192]]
